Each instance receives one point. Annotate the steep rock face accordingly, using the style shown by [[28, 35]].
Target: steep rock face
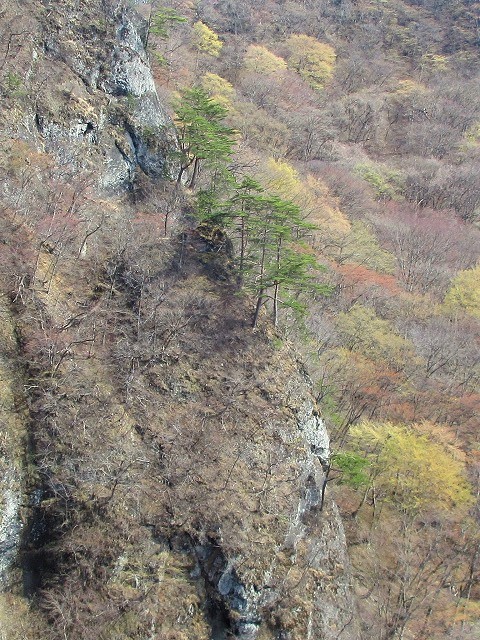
[[178, 455], [10, 522], [314, 431], [151, 136], [105, 105], [13, 448]]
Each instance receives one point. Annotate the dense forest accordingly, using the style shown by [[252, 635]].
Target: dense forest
[[306, 208]]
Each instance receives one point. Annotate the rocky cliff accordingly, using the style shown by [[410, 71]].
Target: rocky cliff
[[163, 463]]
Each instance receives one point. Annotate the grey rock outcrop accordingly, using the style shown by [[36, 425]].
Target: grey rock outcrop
[[334, 604], [12, 442], [11, 525], [314, 431], [150, 130], [106, 106], [313, 544], [241, 601]]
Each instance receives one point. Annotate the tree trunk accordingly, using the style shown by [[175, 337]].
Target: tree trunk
[[275, 304], [257, 308], [196, 168]]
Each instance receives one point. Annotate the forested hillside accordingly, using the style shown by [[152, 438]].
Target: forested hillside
[[366, 116], [224, 225]]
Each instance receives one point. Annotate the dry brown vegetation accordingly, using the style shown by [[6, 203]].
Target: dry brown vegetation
[[158, 421]]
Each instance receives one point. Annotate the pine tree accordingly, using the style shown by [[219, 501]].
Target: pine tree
[[272, 262], [159, 24], [282, 269], [162, 19], [202, 134]]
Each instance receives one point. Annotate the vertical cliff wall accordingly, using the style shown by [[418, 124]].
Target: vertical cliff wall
[[13, 445]]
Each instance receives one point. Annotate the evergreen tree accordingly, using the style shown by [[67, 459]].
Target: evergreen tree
[[202, 134], [273, 264], [162, 19], [278, 267], [159, 24]]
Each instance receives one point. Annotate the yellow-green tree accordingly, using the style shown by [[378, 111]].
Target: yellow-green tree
[[386, 182], [261, 60], [312, 59], [309, 193], [464, 292], [218, 89], [409, 469], [206, 40], [358, 245], [472, 135], [283, 179], [362, 330], [434, 63]]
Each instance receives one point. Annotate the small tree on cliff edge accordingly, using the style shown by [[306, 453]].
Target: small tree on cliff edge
[[202, 135], [272, 262], [277, 266]]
